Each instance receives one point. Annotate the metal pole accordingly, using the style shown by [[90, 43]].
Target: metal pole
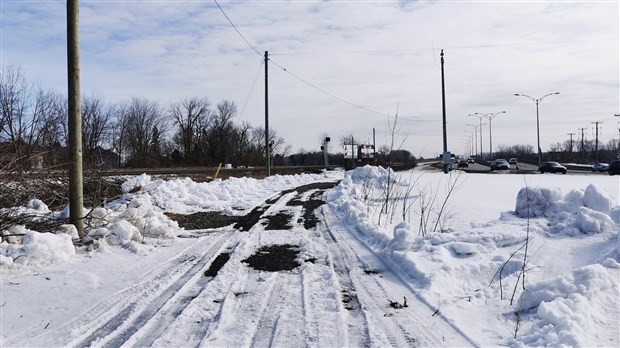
[[76, 197], [443, 105], [267, 150], [537, 101], [538, 134], [490, 141], [481, 148]]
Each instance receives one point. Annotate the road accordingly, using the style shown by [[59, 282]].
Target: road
[[290, 273]]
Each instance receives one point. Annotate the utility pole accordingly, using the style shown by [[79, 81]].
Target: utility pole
[[596, 140], [76, 196], [571, 141], [267, 149], [571, 145], [583, 150], [446, 156], [374, 146]]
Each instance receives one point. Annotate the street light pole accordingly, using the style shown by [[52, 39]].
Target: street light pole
[[476, 136], [471, 142], [491, 116], [480, 119], [537, 101]]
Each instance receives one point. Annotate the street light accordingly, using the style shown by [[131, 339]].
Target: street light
[[480, 119], [476, 136], [537, 101], [470, 142], [490, 116]]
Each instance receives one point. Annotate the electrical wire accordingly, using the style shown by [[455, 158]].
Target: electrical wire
[[247, 99], [237, 30], [303, 80], [433, 48]]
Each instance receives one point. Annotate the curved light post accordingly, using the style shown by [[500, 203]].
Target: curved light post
[[490, 116], [537, 101], [476, 136], [480, 119], [470, 142]]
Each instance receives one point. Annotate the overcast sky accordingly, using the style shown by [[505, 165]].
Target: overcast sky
[[349, 64]]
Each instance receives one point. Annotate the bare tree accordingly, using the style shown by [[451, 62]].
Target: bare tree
[[191, 116], [138, 119], [97, 119], [29, 115], [16, 98], [222, 128]]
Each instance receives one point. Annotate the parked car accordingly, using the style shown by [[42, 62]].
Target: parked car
[[600, 167], [552, 167], [463, 163], [512, 161], [614, 168], [500, 164]]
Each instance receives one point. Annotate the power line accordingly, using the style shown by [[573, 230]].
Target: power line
[[432, 48], [301, 79], [237, 30], [247, 98]]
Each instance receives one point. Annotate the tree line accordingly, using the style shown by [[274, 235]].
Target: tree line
[[137, 132]]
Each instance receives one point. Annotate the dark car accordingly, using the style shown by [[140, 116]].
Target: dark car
[[614, 168], [552, 167], [463, 163], [500, 164]]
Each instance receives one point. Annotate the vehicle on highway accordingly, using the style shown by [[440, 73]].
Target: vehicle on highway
[[463, 163], [471, 160], [600, 167], [512, 161], [552, 167], [500, 164], [614, 168]]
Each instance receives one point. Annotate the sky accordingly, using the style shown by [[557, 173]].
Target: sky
[[134, 281], [345, 67]]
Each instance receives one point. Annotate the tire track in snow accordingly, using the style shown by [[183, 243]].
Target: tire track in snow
[[365, 256], [120, 328]]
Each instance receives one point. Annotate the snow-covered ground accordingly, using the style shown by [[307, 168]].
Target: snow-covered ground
[[462, 262]]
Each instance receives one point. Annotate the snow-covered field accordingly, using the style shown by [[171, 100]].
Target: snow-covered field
[[464, 266]]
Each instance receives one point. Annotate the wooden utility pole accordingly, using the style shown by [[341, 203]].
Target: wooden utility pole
[[267, 149], [583, 149], [571, 145], [596, 140], [76, 197]]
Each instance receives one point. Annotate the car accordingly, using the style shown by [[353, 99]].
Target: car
[[614, 168], [512, 161], [463, 163], [471, 160], [500, 164], [600, 167], [552, 167]]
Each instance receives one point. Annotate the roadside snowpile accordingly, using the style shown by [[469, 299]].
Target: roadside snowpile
[[139, 214], [579, 212], [232, 196], [572, 266]]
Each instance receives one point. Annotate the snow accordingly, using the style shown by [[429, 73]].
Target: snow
[[463, 258]]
